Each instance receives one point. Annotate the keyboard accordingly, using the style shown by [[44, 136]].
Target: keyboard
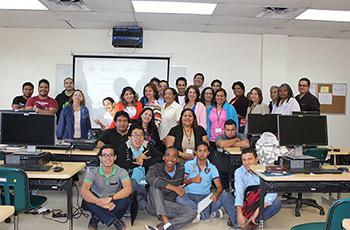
[[41, 168], [315, 171], [83, 144]]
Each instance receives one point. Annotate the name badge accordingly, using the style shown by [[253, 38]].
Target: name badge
[[218, 130], [189, 151]]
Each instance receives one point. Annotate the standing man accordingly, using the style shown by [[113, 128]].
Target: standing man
[[19, 102], [63, 98], [198, 80], [106, 191], [42, 103], [166, 180], [181, 84], [306, 100], [117, 135]]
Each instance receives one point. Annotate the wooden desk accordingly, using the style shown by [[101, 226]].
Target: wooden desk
[[74, 155], [316, 183], [343, 152], [6, 211], [233, 150], [58, 180], [346, 224]]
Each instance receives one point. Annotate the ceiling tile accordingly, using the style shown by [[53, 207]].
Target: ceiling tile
[[235, 10], [305, 32], [276, 3], [317, 25], [238, 29], [257, 22], [110, 5], [172, 18], [96, 16], [332, 5], [35, 24], [173, 27]]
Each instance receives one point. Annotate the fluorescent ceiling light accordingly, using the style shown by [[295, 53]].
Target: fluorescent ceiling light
[[325, 15], [174, 7], [22, 5]]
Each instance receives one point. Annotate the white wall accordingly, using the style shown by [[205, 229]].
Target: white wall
[[32, 54]]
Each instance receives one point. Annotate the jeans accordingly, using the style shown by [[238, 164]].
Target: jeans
[[228, 202], [108, 217], [192, 200], [141, 194]]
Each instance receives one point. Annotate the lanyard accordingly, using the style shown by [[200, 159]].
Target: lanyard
[[218, 115]]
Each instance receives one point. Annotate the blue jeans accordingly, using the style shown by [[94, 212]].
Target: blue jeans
[[141, 194], [108, 217], [228, 202], [192, 200]]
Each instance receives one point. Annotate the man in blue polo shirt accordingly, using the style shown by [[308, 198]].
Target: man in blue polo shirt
[[199, 175], [106, 191]]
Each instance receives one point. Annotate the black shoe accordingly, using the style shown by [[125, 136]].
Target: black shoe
[[119, 225], [93, 223]]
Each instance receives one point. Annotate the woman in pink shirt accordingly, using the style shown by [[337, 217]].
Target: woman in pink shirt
[[192, 102]]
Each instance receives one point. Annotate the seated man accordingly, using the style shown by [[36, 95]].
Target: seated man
[[231, 138], [244, 178], [136, 157], [106, 191], [199, 175], [166, 183]]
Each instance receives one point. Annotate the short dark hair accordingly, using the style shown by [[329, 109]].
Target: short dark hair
[[108, 99], [135, 126], [181, 79], [230, 122], [44, 81], [218, 91], [106, 146], [68, 78], [155, 79], [121, 113], [27, 84], [240, 84], [199, 74], [216, 81], [203, 143], [249, 150], [195, 88], [173, 148], [305, 79]]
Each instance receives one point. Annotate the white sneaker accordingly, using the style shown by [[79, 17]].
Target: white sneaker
[[197, 219]]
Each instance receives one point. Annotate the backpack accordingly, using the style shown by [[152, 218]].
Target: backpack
[[251, 200]]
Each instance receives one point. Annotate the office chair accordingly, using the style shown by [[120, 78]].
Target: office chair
[[14, 187], [337, 212], [321, 154]]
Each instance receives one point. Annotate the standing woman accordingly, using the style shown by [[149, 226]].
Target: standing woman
[[147, 122], [129, 103], [240, 102], [74, 121], [256, 105], [108, 104], [171, 111], [285, 103], [150, 100], [207, 97], [218, 114], [192, 102], [187, 135]]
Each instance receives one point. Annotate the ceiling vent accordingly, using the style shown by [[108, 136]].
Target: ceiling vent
[[279, 12], [66, 5]]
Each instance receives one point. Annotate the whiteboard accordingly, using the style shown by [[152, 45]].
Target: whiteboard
[[105, 76]]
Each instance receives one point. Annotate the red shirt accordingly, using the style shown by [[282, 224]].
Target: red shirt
[[42, 103]]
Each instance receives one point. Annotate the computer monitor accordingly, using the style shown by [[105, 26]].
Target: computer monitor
[[302, 131], [28, 129], [306, 113], [260, 123]]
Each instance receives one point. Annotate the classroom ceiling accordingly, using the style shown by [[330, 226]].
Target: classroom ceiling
[[230, 16]]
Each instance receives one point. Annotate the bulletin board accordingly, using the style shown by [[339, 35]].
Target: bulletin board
[[332, 96]]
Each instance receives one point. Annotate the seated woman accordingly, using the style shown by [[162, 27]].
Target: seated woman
[[192, 102], [150, 100], [108, 104], [186, 136], [256, 105], [285, 103], [129, 103], [147, 122], [135, 157], [207, 97], [74, 121]]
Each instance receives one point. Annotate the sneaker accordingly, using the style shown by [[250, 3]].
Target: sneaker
[[217, 214], [149, 227], [197, 219], [93, 223], [119, 225]]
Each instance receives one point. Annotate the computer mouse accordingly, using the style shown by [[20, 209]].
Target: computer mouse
[[343, 169], [57, 169]]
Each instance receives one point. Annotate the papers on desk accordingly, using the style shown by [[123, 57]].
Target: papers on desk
[[203, 204]]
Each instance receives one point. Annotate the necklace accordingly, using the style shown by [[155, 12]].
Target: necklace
[[188, 136]]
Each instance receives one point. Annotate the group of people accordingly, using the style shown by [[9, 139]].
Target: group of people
[[159, 147]]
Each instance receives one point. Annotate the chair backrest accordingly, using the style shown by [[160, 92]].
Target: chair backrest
[[14, 184], [319, 153], [339, 210]]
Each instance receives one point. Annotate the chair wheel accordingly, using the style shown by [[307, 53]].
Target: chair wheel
[[322, 213], [8, 220], [297, 213]]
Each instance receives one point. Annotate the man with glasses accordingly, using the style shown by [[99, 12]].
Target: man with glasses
[[135, 156], [106, 191], [306, 100]]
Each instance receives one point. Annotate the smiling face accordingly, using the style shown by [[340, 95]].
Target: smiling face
[[187, 119], [108, 105], [220, 98], [181, 87], [136, 138], [146, 116], [273, 93], [248, 159], [169, 96], [170, 157], [202, 152], [283, 92], [208, 95], [237, 90], [192, 95], [107, 157], [44, 89], [129, 96], [198, 81], [27, 91], [254, 96], [216, 86], [149, 93]]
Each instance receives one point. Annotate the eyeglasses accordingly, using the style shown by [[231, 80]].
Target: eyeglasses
[[108, 155], [138, 135]]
